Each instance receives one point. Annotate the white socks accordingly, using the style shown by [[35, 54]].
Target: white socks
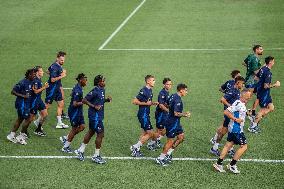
[[216, 146], [59, 121], [170, 151], [162, 156], [138, 145], [97, 152], [82, 147], [215, 137], [67, 144]]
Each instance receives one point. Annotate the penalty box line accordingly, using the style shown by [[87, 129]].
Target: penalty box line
[[191, 49], [121, 25], [141, 158]]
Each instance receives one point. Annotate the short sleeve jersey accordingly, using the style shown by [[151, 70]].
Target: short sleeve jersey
[[231, 96], [163, 98], [76, 95], [175, 105], [55, 70], [238, 109], [228, 85], [264, 76], [96, 97], [253, 64], [23, 87], [144, 95]]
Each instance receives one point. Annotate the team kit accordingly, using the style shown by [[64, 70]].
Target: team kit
[[237, 92]]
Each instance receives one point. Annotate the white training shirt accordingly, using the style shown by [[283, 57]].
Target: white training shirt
[[238, 109]]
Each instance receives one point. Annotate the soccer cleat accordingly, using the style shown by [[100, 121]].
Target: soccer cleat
[[21, 138], [212, 141], [67, 150], [159, 144], [80, 155], [233, 169], [152, 147], [11, 138], [61, 126], [98, 160], [64, 116], [215, 152], [40, 133], [231, 153], [219, 168], [168, 158], [161, 162], [254, 130], [135, 152], [63, 139]]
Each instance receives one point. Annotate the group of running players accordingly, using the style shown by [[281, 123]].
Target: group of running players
[[169, 110], [258, 81]]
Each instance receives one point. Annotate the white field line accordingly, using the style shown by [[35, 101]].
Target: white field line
[[142, 158], [205, 49], [121, 25], [67, 88]]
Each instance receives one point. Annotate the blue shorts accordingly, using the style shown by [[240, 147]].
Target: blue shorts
[[77, 121], [264, 100], [173, 129], [38, 106], [53, 93], [96, 125], [161, 119], [226, 121], [23, 113], [145, 123], [237, 138]]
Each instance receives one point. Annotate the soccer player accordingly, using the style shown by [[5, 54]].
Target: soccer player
[[54, 91], [263, 93], [226, 87], [22, 91], [95, 99], [230, 83], [252, 63], [36, 103], [237, 114], [75, 113], [162, 110], [174, 130], [228, 99], [144, 101]]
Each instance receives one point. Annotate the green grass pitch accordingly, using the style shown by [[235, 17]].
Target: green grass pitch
[[33, 31]]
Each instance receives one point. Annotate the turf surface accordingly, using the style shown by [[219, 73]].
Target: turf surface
[[33, 31]]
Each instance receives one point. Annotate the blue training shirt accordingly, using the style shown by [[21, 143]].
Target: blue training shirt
[[96, 97], [228, 85], [175, 105], [23, 87], [231, 96], [163, 98], [76, 95], [144, 95], [264, 76], [55, 70], [37, 84]]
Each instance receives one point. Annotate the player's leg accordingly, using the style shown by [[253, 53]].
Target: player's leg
[[219, 164], [60, 124], [81, 150], [241, 140], [221, 131], [99, 139], [146, 134], [12, 135]]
